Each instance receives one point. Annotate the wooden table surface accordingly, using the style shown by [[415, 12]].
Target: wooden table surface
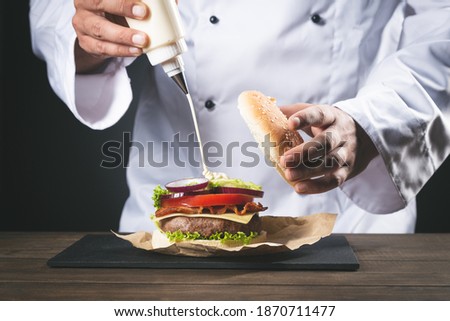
[[392, 267]]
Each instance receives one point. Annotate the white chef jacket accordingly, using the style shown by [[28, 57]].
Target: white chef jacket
[[386, 63]]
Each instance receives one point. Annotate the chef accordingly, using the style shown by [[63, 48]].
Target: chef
[[368, 80]]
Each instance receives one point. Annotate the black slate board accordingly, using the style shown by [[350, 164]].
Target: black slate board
[[108, 251]]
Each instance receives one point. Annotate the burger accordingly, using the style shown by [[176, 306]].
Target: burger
[[221, 210], [224, 210]]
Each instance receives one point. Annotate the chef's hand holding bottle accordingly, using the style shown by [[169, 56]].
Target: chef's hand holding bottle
[[102, 32]]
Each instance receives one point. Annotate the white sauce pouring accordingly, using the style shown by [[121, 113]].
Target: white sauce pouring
[[206, 172]]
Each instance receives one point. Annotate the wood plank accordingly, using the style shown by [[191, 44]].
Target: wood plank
[[393, 267], [102, 291], [398, 247], [373, 273], [401, 247], [35, 244]]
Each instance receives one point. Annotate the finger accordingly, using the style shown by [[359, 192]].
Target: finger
[[299, 155], [323, 184], [308, 152], [101, 48], [315, 115], [319, 167], [127, 8], [290, 110], [307, 172], [102, 29]]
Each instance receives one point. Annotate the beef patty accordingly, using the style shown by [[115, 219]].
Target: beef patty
[[207, 226]]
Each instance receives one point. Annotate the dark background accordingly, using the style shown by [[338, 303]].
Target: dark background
[[50, 174], [51, 177]]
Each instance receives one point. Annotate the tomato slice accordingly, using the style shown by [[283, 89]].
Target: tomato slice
[[207, 200]]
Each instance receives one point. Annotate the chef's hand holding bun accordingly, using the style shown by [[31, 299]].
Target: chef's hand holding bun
[[337, 151]]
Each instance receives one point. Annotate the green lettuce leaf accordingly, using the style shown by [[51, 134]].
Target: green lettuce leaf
[[233, 182], [223, 237], [157, 192]]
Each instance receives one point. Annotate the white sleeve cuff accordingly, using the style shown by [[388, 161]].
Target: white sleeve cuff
[[102, 99], [389, 181], [98, 101], [374, 189], [364, 189]]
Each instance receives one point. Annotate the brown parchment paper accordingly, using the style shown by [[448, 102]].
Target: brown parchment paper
[[283, 233]]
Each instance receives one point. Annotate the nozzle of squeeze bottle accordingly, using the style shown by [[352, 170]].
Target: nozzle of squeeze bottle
[[174, 68]]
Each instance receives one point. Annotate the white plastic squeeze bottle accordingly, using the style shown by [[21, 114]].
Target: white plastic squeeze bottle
[[167, 43]]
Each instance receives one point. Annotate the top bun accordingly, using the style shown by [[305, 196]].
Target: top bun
[[263, 117]]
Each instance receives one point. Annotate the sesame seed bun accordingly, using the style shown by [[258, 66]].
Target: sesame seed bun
[[263, 117]]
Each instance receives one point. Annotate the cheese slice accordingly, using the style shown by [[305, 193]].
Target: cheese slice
[[243, 219]]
